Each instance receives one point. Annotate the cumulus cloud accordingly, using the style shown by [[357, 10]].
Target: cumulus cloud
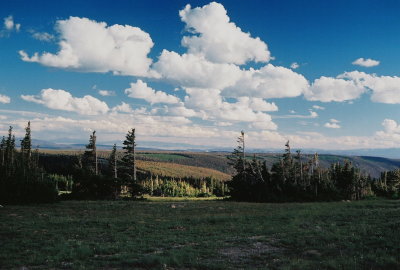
[[189, 70], [333, 123], [385, 89], [391, 132], [141, 90], [294, 65], [63, 100], [269, 82], [123, 107], [91, 46], [211, 106], [4, 99], [327, 89], [180, 110], [366, 62], [218, 39], [258, 104]]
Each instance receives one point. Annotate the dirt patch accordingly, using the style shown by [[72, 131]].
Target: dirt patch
[[242, 253]]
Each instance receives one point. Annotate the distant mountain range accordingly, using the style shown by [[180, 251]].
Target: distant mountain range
[[393, 153]]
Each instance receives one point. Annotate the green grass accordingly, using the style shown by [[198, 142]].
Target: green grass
[[201, 235]]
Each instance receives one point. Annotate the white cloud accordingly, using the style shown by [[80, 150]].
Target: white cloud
[[190, 70], [311, 115], [385, 89], [333, 123], [123, 107], [63, 100], [327, 89], [294, 65], [180, 110], [218, 39], [106, 93], [223, 124], [269, 82], [366, 62], [4, 99], [91, 46], [316, 107], [211, 106], [142, 91], [391, 132], [43, 36], [10, 25]]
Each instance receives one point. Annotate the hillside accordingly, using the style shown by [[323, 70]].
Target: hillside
[[179, 171], [218, 160], [204, 164]]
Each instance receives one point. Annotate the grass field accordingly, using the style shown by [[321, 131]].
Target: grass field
[[201, 235]]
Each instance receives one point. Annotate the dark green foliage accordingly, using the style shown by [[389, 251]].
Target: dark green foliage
[[89, 186], [294, 178], [89, 159], [31, 188], [21, 179], [112, 162], [388, 185], [128, 163]]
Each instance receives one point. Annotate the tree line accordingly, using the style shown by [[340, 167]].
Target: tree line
[[296, 177], [28, 176]]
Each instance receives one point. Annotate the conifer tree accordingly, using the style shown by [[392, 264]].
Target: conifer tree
[[26, 148], [90, 155], [112, 161], [129, 158], [237, 158], [3, 150]]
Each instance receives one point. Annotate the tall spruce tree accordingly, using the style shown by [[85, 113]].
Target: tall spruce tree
[[129, 158], [90, 155], [112, 161], [26, 148], [3, 150]]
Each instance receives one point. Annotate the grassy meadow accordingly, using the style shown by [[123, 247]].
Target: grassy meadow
[[201, 234]]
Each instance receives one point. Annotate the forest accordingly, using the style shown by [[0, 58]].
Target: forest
[[29, 175]]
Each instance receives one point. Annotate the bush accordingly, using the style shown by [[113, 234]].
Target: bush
[[31, 189], [95, 187]]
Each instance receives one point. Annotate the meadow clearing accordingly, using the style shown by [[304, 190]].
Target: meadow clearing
[[180, 233]]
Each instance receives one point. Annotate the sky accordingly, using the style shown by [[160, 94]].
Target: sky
[[193, 74]]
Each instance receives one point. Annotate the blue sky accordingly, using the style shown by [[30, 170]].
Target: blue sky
[[319, 73]]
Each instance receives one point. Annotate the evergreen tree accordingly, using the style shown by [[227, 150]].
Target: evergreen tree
[[129, 158], [237, 158], [3, 150], [26, 148], [112, 161], [90, 155]]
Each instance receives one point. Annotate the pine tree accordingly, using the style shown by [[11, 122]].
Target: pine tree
[[3, 150], [237, 158], [26, 148], [90, 155], [129, 158], [112, 161]]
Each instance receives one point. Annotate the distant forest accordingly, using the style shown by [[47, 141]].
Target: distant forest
[[28, 175]]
